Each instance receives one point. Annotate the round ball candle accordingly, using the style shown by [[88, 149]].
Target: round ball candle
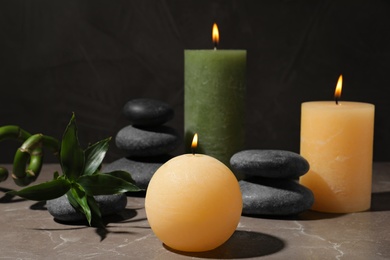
[[193, 203], [214, 100], [337, 141]]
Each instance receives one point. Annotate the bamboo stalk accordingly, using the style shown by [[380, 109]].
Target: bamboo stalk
[[51, 143], [30, 153], [13, 132]]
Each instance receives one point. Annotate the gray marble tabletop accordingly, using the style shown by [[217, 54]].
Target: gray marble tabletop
[[28, 231]]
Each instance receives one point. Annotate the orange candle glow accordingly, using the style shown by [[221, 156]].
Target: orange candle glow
[[337, 141]]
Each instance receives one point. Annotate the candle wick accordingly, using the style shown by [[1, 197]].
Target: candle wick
[[337, 101], [215, 47]]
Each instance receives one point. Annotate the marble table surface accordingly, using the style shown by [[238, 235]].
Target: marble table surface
[[28, 231]]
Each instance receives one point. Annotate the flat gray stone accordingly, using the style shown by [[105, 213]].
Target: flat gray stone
[[276, 197], [269, 163], [140, 169], [147, 112], [147, 141], [61, 209]]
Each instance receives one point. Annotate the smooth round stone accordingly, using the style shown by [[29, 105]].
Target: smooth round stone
[[277, 197], [269, 163], [147, 112], [140, 169], [62, 210], [147, 141]]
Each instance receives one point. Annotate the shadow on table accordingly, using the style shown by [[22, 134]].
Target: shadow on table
[[126, 215], [7, 198], [242, 244], [315, 215], [39, 205], [307, 215], [380, 201]]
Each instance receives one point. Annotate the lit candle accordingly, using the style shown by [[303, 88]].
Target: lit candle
[[193, 203], [214, 99], [337, 141]]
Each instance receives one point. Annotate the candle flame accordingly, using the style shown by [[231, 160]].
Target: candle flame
[[337, 92], [194, 142], [215, 35]]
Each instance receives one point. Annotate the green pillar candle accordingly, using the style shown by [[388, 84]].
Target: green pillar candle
[[214, 101]]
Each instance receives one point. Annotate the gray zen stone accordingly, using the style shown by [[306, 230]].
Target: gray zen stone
[[61, 209], [269, 163], [262, 196], [147, 112], [141, 169], [147, 141]]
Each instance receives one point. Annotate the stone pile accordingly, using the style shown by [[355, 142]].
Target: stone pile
[[146, 141], [270, 186]]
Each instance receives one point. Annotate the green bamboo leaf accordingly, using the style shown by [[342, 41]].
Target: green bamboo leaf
[[122, 175], [44, 191], [95, 212], [105, 184], [96, 217], [80, 197], [71, 153], [94, 156], [74, 202]]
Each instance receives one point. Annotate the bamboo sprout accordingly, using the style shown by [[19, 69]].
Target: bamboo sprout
[[28, 155], [52, 143], [31, 148]]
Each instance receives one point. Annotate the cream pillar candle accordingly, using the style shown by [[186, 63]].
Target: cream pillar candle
[[337, 141]]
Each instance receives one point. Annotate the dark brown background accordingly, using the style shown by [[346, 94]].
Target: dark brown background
[[92, 56]]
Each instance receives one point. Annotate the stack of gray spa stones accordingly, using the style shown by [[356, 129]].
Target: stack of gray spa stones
[[146, 141], [270, 186]]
